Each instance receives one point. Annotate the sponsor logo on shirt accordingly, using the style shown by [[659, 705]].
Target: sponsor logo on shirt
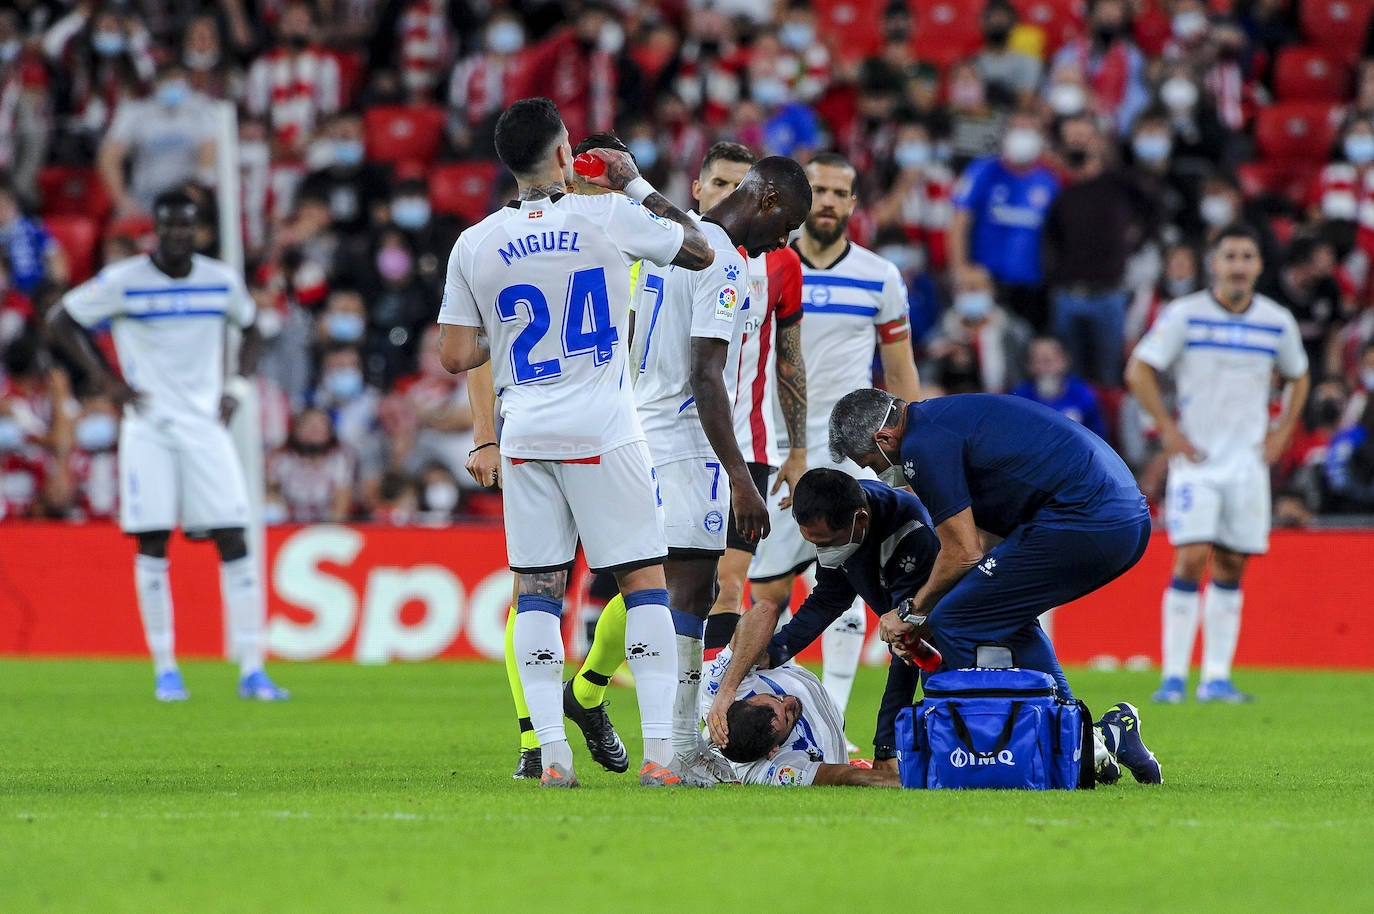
[[731, 272], [988, 565], [786, 776], [726, 300]]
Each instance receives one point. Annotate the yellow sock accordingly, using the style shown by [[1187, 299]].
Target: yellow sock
[[522, 711], [604, 657]]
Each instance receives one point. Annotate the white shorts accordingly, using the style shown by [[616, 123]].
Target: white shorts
[[1227, 506], [180, 470], [696, 504], [609, 504]]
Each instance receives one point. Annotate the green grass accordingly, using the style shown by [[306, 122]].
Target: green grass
[[388, 788]]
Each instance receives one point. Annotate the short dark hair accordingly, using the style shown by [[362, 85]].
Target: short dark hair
[[525, 132], [176, 198], [827, 494], [835, 160], [725, 151], [751, 732], [601, 141], [789, 178], [1237, 230]]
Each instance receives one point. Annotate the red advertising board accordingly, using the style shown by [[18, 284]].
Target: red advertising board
[[378, 594]]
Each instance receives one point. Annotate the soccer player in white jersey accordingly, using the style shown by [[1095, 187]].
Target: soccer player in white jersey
[[169, 311], [786, 731], [686, 340], [544, 282], [1224, 346], [852, 299], [770, 381]]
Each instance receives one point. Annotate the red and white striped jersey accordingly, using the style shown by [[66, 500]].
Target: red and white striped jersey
[[1341, 193], [293, 93], [775, 281]]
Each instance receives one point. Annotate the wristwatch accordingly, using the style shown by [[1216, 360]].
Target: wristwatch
[[883, 753], [906, 611]]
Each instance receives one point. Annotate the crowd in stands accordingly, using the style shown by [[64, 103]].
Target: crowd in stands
[[1044, 173]]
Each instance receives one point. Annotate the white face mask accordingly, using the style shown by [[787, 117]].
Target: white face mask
[[1188, 25], [1367, 379], [835, 556], [1178, 93], [505, 38], [1067, 98], [96, 432], [1022, 145], [441, 496], [1359, 148], [1216, 210]]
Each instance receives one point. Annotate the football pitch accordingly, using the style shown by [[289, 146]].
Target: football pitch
[[388, 788]]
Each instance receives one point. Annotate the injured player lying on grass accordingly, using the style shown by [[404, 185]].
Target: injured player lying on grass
[[786, 731]]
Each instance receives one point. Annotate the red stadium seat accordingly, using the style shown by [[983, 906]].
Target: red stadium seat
[[947, 30], [463, 189], [137, 228], [1336, 26], [1310, 74], [1295, 131], [1060, 20], [68, 190], [851, 29], [78, 236], [398, 133], [1290, 180]]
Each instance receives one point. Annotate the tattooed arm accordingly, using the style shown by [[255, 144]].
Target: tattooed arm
[[620, 173], [792, 400]]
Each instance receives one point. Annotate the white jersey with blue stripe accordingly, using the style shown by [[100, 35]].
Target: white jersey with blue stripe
[[1223, 364], [847, 305], [168, 332], [818, 737]]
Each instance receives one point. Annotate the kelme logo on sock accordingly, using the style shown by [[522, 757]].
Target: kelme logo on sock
[[542, 657]]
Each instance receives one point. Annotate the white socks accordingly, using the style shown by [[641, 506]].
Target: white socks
[[242, 595], [648, 634], [538, 641], [841, 645], [1220, 630], [686, 711], [1180, 612], [155, 606]]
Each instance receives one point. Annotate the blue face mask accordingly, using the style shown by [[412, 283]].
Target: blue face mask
[[644, 150], [11, 435], [1359, 148], [912, 154], [173, 93], [96, 432], [796, 36], [344, 328], [344, 383], [1151, 147], [973, 305], [107, 44], [410, 212], [348, 152]]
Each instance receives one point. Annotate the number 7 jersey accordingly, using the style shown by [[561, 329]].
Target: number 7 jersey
[[549, 282]]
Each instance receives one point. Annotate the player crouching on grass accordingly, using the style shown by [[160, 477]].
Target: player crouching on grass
[[169, 310]]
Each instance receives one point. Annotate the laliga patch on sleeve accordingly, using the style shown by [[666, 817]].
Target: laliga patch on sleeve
[[654, 217], [727, 300], [784, 776]]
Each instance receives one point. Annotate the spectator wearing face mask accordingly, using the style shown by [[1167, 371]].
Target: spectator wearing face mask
[[440, 495], [105, 57], [36, 413], [1112, 66], [425, 230], [1094, 225], [399, 306], [310, 478], [1052, 384], [1151, 163], [1349, 467], [439, 402], [293, 86], [209, 69], [1307, 287], [1015, 74], [355, 190], [165, 140], [32, 254], [1201, 142], [918, 198], [483, 84], [976, 126], [398, 500], [1000, 204], [1341, 197], [26, 120], [93, 467], [343, 392], [1179, 277], [1220, 203], [995, 340]]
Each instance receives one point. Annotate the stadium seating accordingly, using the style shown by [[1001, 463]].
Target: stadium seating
[[463, 189], [1296, 131], [68, 190], [1336, 26], [78, 237], [1060, 20], [851, 29], [1289, 180], [138, 228], [402, 133], [947, 30], [1305, 73]]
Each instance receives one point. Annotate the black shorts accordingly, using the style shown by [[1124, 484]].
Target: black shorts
[[759, 472]]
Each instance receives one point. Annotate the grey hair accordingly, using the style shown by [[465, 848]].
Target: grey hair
[[856, 418]]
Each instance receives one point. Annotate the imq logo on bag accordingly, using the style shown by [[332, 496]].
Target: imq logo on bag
[[961, 759]]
